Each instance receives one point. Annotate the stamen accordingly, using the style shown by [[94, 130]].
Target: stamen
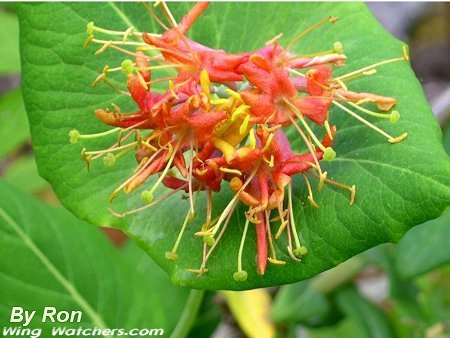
[[230, 171], [393, 116], [168, 14], [172, 255], [252, 139], [368, 68], [241, 275], [75, 135], [208, 209], [191, 163], [120, 140], [328, 129], [328, 153], [270, 162], [352, 189], [296, 72], [330, 19], [136, 174], [155, 17], [163, 79], [242, 109], [234, 94], [366, 73], [170, 193], [310, 193], [212, 231], [299, 249], [219, 237], [382, 132], [117, 42], [96, 152], [244, 126], [308, 144], [171, 65], [272, 259], [342, 84], [166, 169], [91, 28], [155, 58], [273, 40], [268, 142]]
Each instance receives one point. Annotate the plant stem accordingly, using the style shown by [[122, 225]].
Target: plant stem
[[189, 314]]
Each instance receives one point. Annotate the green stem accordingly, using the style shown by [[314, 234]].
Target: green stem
[[189, 314]]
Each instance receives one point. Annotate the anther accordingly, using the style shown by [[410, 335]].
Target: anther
[[276, 261], [405, 53], [398, 139], [88, 41], [172, 256], [230, 171]]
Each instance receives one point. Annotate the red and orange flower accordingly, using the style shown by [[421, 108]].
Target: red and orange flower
[[221, 118]]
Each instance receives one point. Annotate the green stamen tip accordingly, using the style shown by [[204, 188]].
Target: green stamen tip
[[301, 251], [127, 66], [74, 136], [240, 276], [209, 240], [394, 117], [329, 154], [147, 196], [90, 28], [338, 47], [172, 256], [109, 160]]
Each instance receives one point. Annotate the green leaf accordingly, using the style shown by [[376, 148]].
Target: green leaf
[[208, 317], [50, 258], [300, 303], [366, 315], [398, 186], [309, 302], [14, 130], [9, 48], [344, 329], [424, 248]]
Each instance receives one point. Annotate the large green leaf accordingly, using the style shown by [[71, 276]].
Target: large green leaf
[[398, 186], [368, 317], [424, 248], [51, 258]]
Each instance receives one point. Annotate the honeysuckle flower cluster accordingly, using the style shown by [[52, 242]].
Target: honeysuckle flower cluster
[[219, 118]]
